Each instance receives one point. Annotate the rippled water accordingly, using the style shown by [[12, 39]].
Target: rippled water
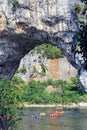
[[70, 120]]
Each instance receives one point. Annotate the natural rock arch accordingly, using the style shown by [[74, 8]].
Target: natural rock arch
[[35, 22]]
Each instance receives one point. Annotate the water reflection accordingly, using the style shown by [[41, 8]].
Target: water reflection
[[70, 120]]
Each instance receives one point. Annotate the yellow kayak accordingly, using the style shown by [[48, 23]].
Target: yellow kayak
[[42, 114]]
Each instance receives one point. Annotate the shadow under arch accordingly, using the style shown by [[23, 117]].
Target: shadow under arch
[[20, 44]]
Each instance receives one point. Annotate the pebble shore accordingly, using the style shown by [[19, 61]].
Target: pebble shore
[[59, 106]]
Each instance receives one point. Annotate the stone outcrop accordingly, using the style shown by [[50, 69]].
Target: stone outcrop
[[27, 23], [58, 68]]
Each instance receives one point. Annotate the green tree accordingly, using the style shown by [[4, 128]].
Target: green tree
[[77, 8], [22, 70], [10, 97], [49, 51]]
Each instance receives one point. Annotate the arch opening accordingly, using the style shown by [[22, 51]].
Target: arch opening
[[44, 22]]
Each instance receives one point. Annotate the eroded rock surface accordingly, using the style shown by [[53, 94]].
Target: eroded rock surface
[[40, 68], [27, 23]]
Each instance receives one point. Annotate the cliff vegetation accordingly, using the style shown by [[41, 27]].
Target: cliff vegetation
[[49, 51]]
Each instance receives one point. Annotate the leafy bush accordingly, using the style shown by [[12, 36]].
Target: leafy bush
[[14, 2], [11, 95], [84, 9], [49, 51], [15, 5], [14, 92], [77, 8], [22, 70], [42, 73], [64, 92]]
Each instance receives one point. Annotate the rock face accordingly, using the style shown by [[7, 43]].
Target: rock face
[[27, 23], [57, 68]]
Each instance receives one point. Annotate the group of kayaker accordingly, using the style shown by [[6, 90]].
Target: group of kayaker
[[56, 114], [42, 114]]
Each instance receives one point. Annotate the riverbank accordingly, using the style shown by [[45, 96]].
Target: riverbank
[[58, 106]]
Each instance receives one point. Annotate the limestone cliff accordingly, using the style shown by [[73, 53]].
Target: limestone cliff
[[32, 65], [27, 23]]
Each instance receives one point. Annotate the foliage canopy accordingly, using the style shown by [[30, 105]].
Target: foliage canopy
[[11, 93], [49, 51]]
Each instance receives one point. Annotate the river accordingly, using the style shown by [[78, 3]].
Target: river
[[69, 120]]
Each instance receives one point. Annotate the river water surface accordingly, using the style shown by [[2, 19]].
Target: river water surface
[[70, 120]]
